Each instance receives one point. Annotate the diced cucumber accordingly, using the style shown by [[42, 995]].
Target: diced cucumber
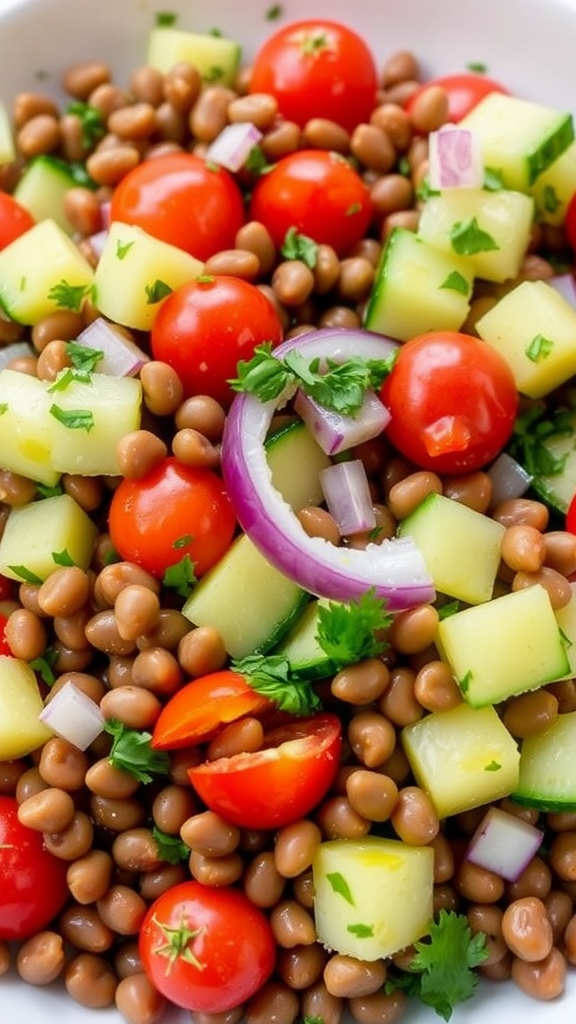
[[246, 599], [556, 451], [42, 188], [507, 646], [41, 272], [554, 188], [372, 896], [296, 461], [7, 145], [547, 777], [216, 58], [566, 619], [41, 536], [490, 231], [24, 440], [301, 645], [417, 288], [21, 731], [519, 139], [533, 327], [463, 758], [136, 272], [461, 547]]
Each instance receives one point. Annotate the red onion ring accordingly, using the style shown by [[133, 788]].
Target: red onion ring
[[395, 569]]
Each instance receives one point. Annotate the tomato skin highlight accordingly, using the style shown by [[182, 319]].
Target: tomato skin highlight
[[172, 511], [320, 59], [229, 954], [15, 219], [179, 199], [453, 402], [33, 889], [319, 194], [464, 90], [279, 783], [204, 328], [199, 708]]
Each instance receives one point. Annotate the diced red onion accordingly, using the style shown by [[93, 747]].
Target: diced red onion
[[232, 147], [394, 569], [509, 479], [504, 844], [15, 350], [335, 432], [347, 492], [105, 209], [454, 159], [98, 241], [73, 716], [122, 357], [565, 285]]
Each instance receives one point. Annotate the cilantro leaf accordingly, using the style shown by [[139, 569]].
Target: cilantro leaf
[[63, 557], [539, 348], [93, 125], [180, 576], [300, 247], [272, 676], [468, 238], [26, 574], [349, 632], [262, 375], [170, 848], [445, 960], [531, 431], [132, 752], [69, 296], [83, 357], [68, 376], [43, 665], [74, 419], [157, 291], [456, 282]]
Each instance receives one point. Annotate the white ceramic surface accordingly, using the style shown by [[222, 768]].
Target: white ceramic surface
[[527, 44]]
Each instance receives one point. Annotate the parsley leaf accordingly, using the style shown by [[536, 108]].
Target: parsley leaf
[[67, 376], [468, 238], [165, 19], [83, 357], [156, 292], [180, 576], [43, 665], [93, 126], [349, 632], [300, 247], [69, 296], [272, 676], [74, 419], [456, 282], [262, 375], [444, 962], [528, 443], [44, 491], [539, 347], [132, 752], [63, 557], [25, 574], [170, 848]]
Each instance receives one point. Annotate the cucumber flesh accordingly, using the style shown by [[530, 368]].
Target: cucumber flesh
[[302, 648], [215, 57], [42, 189], [547, 778]]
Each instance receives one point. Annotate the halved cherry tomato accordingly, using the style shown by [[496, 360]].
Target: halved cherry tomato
[[4, 645], [205, 327], [14, 219], [198, 710], [181, 199], [453, 402], [279, 783], [317, 69], [33, 889], [465, 90], [317, 193], [172, 512], [206, 948]]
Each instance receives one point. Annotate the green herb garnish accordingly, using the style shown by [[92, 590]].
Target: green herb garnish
[[93, 125], [83, 357], [157, 291], [539, 348], [300, 247], [63, 557], [350, 632], [468, 238], [43, 665], [132, 752], [180, 576], [73, 419], [340, 886], [170, 848], [69, 296], [456, 282], [272, 676], [26, 574]]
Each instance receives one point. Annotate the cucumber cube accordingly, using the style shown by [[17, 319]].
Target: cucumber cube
[[566, 619], [463, 758], [519, 139], [136, 272], [41, 536], [42, 190], [554, 188], [293, 445], [41, 272], [372, 896], [215, 57], [490, 231], [21, 731], [7, 145], [547, 778], [461, 547], [507, 646], [534, 328], [24, 440], [418, 288]]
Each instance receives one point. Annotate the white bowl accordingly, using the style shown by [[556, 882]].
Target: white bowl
[[526, 44]]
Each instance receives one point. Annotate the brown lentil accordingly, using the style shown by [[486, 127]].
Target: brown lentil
[[90, 981], [41, 959], [138, 1000], [543, 980]]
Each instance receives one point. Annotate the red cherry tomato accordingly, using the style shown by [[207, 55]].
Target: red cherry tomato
[[319, 194], [465, 90], [14, 219], [570, 223], [205, 327], [317, 69], [4, 645], [34, 888], [571, 516], [172, 512], [453, 402], [279, 783], [206, 948], [200, 708], [181, 199]]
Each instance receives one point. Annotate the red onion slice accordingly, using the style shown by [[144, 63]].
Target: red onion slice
[[395, 569], [455, 160], [509, 479], [232, 147], [504, 844], [122, 357], [565, 285], [347, 492], [335, 432]]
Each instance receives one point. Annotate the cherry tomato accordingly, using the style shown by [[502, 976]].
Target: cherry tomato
[[317, 193], [205, 327], [317, 69], [200, 708], [279, 783], [34, 888], [453, 402], [181, 199], [172, 512], [4, 645], [570, 223], [571, 516], [465, 90], [206, 948], [14, 219]]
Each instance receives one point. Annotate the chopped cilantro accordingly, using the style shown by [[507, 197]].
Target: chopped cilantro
[[448, 609], [69, 296], [3, 407], [531, 430], [273, 12], [300, 247], [425, 190], [170, 848], [362, 931], [403, 167], [272, 676], [340, 886], [122, 249], [477, 67], [314, 42], [182, 541], [180, 576], [132, 752], [349, 632], [26, 574], [93, 125], [352, 209], [468, 238], [256, 161], [456, 282], [74, 419], [83, 357], [68, 376], [464, 683], [165, 19], [43, 665], [492, 766], [49, 492], [156, 291], [215, 73], [539, 348], [493, 180], [550, 200], [63, 557]]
